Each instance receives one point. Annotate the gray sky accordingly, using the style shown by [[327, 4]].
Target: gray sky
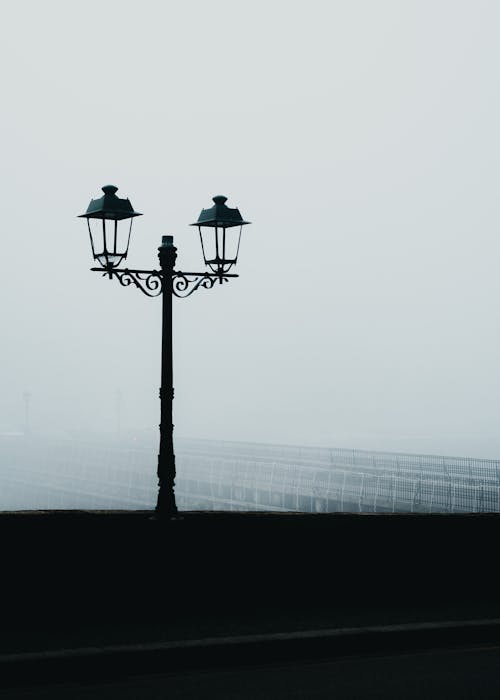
[[359, 137]]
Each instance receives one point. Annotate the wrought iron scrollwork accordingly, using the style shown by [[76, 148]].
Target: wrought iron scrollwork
[[149, 282], [184, 284], [153, 282]]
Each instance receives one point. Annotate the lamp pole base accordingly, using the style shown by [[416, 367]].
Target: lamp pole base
[[166, 506]]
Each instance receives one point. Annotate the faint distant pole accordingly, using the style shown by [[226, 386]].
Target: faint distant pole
[[118, 411], [27, 422]]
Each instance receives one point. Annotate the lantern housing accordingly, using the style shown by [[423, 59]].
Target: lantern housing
[[219, 245], [109, 237]]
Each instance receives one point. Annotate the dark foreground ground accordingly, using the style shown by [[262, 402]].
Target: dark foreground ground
[[73, 580], [437, 675]]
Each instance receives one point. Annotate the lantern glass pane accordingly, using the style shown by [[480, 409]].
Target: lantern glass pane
[[220, 247], [110, 240], [229, 240]]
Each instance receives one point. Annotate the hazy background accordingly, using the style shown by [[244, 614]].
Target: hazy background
[[360, 138]]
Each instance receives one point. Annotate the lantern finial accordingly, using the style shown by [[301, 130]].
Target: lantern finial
[[109, 189]]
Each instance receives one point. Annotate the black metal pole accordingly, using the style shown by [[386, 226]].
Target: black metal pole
[[166, 506]]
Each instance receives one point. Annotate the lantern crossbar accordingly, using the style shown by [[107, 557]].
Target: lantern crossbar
[[153, 282]]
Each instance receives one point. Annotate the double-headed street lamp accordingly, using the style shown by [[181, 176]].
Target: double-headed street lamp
[[109, 220]]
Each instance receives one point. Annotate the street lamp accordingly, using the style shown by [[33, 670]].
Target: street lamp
[[221, 247], [109, 220]]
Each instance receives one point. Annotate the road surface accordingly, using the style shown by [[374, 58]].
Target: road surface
[[452, 673]]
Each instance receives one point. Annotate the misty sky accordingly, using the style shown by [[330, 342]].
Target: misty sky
[[359, 137]]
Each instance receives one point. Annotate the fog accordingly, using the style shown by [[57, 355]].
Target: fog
[[360, 138]]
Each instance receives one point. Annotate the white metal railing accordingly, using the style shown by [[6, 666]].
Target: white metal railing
[[71, 474]]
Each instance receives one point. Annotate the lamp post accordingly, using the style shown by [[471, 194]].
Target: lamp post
[[109, 221]]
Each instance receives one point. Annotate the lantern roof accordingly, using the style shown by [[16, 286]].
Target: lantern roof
[[109, 206], [220, 215]]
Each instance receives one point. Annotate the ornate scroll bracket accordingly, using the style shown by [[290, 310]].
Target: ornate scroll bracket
[[185, 283], [152, 282]]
